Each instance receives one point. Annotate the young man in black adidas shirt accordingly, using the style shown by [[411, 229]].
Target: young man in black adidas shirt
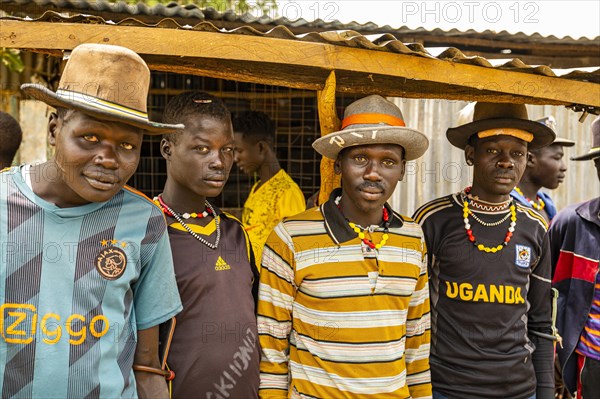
[[489, 266], [214, 352]]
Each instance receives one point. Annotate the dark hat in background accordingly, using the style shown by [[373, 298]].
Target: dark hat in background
[[594, 152], [106, 82], [373, 120], [550, 121], [487, 116]]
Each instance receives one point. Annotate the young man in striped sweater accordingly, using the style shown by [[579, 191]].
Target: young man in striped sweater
[[343, 306]]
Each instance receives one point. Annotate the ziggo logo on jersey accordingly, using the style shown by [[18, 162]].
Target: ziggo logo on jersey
[[19, 323]]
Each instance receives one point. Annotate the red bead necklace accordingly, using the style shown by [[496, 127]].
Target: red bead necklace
[[467, 212]]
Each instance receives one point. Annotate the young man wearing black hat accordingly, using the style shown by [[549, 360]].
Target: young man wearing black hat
[[489, 266], [86, 269], [545, 169], [575, 243], [343, 306]]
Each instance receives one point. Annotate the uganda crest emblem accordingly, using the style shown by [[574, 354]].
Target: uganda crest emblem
[[523, 256], [111, 262]]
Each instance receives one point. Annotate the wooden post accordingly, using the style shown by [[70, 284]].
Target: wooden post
[[329, 122]]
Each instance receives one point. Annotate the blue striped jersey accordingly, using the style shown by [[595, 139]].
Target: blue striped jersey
[[76, 285]]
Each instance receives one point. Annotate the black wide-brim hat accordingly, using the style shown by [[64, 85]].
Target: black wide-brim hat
[[488, 116], [106, 82], [594, 152]]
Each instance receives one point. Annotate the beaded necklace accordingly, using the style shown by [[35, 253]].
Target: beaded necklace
[[170, 212], [358, 229], [511, 228], [480, 204], [538, 204], [185, 215]]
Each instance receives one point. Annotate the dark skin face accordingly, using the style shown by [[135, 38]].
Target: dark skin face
[[546, 167], [93, 160], [597, 165], [369, 174], [249, 156], [499, 163], [198, 162]]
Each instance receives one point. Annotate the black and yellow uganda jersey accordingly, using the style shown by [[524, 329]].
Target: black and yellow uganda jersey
[[483, 303]]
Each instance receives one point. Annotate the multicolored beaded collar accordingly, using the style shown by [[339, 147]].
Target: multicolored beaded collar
[[210, 210], [538, 204], [358, 229], [511, 228], [185, 215]]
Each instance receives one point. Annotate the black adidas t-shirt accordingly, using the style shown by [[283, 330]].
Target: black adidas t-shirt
[[215, 351], [482, 303]]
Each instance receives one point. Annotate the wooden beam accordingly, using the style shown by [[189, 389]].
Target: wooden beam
[[175, 46], [329, 122]]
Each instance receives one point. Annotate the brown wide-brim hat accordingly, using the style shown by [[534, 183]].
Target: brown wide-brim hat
[[106, 82], [498, 116], [373, 120], [594, 152]]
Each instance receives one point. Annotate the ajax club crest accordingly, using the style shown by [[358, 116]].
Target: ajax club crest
[[111, 262]]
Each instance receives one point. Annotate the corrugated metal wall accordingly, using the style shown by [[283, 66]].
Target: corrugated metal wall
[[442, 170]]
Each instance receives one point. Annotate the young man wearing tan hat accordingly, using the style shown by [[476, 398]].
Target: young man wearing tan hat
[[87, 274], [343, 307], [545, 169], [489, 265], [575, 243]]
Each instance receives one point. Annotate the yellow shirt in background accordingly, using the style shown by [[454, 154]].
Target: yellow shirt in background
[[267, 205]]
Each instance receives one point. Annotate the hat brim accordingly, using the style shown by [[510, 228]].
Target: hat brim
[[414, 142], [542, 134], [587, 157], [49, 97], [563, 142]]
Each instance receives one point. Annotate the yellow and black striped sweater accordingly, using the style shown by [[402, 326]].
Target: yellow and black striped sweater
[[339, 320]]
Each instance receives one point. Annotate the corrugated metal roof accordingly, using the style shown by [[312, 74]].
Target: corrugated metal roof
[[379, 42], [192, 11]]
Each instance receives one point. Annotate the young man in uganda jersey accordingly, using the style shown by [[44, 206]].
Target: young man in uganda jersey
[[86, 274], [214, 352], [489, 268], [343, 306]]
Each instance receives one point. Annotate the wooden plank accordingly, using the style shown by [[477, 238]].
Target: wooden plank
[[329, 122], [251, 72], [304, 57]]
